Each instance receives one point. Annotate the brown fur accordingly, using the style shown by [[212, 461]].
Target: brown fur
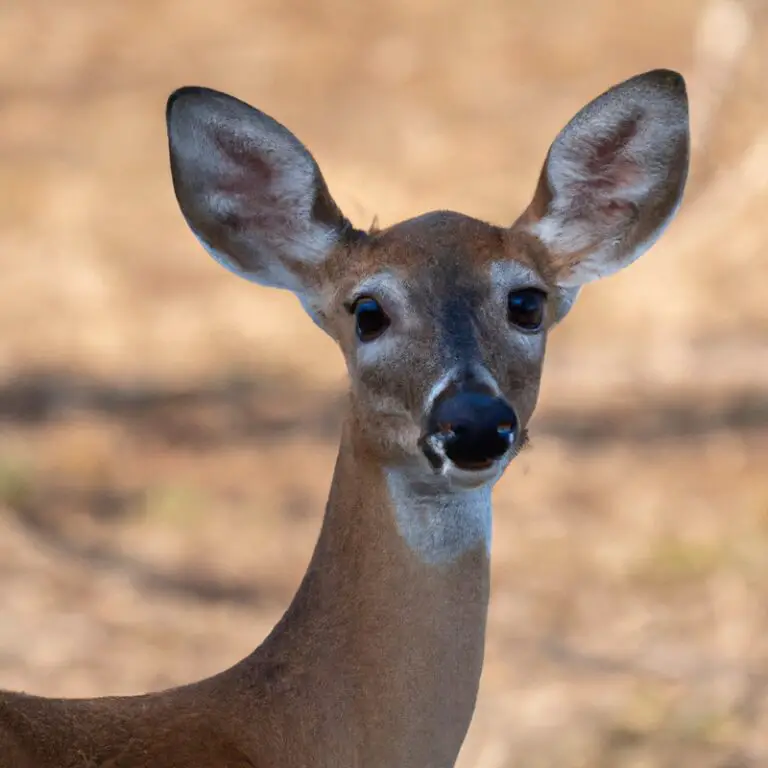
[[367, 631], [378, 658]]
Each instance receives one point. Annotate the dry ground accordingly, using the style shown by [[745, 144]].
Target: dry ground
[[168, 432]]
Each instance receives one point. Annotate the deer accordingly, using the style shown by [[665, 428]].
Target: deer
[[442, 320]]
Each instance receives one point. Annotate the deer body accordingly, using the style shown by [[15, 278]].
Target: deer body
[[376, 663], [442, 320]]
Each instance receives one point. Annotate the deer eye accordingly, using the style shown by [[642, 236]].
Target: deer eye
[[370, 319], [525, 308]]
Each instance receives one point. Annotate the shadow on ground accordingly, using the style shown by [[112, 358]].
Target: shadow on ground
[[240, 410], [261, 409]]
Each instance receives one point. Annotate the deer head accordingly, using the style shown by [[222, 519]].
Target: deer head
[[442, 319]]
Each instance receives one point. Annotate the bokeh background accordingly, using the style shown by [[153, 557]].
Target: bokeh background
[[167, 432]]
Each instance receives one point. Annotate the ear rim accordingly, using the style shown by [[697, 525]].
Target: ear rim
[[663, 86], [322, 215]]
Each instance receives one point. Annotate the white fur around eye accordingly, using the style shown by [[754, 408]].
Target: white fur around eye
[[390, 290], [507, 276], [370, 353], [512, 275], [383, 285]]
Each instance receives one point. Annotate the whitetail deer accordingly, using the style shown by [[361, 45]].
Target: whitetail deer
[[442, 321]]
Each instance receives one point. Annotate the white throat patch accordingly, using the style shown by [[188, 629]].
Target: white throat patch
[[440, 526]]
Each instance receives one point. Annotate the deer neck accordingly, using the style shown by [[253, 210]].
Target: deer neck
[[387, 629]]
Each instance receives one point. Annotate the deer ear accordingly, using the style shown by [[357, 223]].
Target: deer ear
[[250, 191], [613, 179]]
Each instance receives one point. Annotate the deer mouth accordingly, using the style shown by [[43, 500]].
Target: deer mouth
[[462, 478], [474, 466], [463, 472]]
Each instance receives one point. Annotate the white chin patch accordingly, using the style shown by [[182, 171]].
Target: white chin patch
[[440, 522], [457, 477]]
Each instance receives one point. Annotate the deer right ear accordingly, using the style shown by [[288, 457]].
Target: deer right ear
[[250, 191], [613, 179]]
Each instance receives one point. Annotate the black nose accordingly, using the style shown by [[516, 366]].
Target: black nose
[[477, 428]]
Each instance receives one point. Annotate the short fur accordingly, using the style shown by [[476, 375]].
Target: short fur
[[378, 658]]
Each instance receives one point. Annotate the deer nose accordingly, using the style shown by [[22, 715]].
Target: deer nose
[[475, 428]]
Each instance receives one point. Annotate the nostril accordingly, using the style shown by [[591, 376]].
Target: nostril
[[446, 429]]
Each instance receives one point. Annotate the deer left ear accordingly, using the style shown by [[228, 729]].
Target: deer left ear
[[613, 179], [251, 191]]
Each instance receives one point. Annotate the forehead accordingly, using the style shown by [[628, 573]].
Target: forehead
[[444, 235], [437, 249]]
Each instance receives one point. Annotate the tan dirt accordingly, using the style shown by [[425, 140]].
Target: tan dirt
[[168, 432]]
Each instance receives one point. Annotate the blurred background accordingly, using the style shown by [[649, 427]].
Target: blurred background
[[168, 432]]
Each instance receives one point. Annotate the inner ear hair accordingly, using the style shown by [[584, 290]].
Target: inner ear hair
[[613, 178], [250, 190]]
